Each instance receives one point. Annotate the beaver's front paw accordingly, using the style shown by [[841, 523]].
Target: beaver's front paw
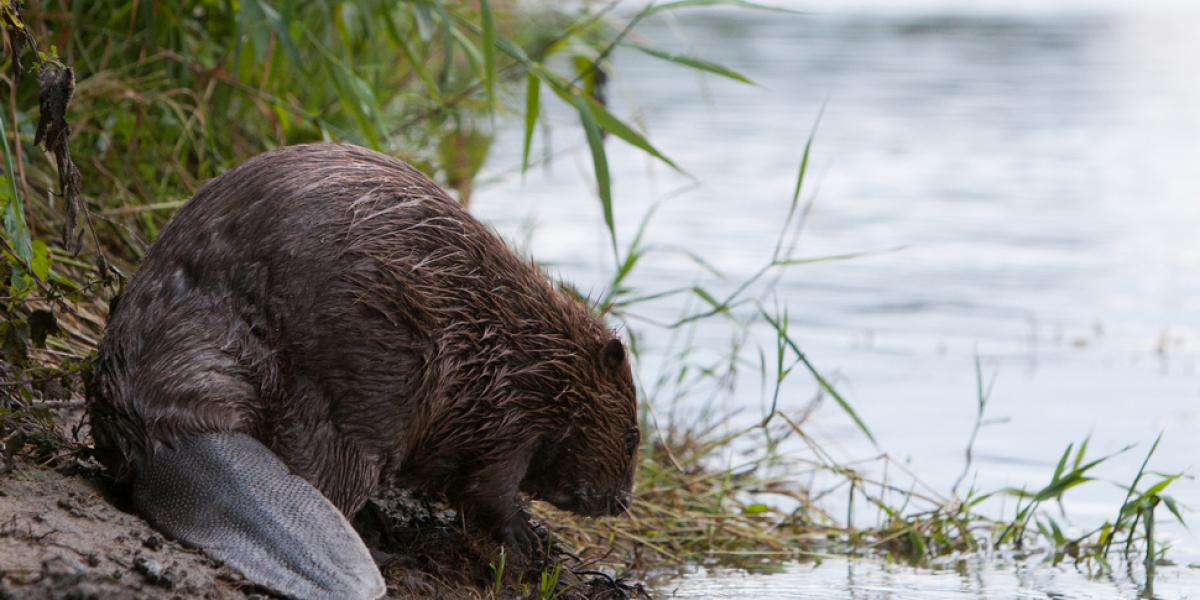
[[518, 535]]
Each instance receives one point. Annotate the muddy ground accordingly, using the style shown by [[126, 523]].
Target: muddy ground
[[64, 535]]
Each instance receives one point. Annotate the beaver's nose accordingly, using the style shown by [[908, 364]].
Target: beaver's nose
[[619, 503]]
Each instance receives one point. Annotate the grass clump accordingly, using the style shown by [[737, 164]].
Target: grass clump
[[692, 507], [686, 512], [119, 110]]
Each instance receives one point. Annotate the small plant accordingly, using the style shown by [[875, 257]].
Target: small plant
[[1138, 506], [38, 293], [1060, 482], [498, 572], [548, 589]]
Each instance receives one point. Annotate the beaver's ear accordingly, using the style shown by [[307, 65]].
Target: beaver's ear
[[612, 356]]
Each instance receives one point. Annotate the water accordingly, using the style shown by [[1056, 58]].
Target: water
[[1036, 174], [873, 581]]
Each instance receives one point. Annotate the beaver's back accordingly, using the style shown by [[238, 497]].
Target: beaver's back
[[300, 293]]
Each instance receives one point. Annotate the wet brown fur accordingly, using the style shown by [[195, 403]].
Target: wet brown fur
[[338, 306]]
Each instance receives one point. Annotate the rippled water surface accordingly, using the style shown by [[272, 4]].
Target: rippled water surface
[[872, 581], [1036, 178]]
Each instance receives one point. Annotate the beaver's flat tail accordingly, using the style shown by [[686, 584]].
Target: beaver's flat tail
[[231, 496]]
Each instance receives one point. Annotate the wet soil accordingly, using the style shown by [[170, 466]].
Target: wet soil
[[61, 538]]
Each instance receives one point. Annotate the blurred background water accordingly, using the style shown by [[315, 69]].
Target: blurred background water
[[1035, 170]]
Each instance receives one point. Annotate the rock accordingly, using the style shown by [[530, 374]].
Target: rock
[[155, 573]]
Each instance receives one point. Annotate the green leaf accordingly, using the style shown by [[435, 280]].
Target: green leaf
[[513, 51], [447, 41], [1133, 487], [41, 260], [716, 305], [695, 3], [1160, 486], [1130, 508], [1062, 463], [1058, 537], [19, 283], [489, 52], [834, 257], [690, 61], [425, 24], [618, 128], [254, 23], [1082, 449], [14, 211], [1018, 492], [355, 94], [418, 64], [1170, 502], [600, 160], [1057, 488], [812, 136], [281, 33], [532, 107], [18, 233], [1106, 531], [605, 119], [824, 383], [755, 509], [473, 54]]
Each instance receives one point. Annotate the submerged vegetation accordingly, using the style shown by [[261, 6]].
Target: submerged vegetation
[[153, 98]]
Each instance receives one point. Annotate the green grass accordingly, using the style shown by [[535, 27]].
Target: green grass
[[168, 95]]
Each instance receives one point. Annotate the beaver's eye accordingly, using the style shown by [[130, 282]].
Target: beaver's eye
[[630, 441]]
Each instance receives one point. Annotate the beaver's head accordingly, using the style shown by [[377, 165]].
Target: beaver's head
[[587, 464]]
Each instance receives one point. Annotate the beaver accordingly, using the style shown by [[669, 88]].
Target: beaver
[[321, 318]]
